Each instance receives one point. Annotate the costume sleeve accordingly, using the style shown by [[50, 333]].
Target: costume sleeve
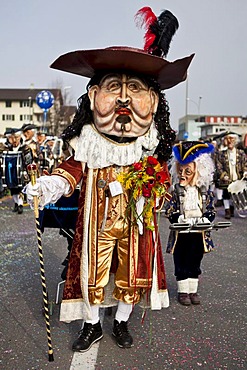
[[70, 170], [172, 209], [210, 209]]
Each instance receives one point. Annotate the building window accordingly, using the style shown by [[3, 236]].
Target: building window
[[26, 103], [26, 117], [8, 117], [8, 104]]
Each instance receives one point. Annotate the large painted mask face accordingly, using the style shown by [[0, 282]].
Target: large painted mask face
[[123, 105], [186, 174]]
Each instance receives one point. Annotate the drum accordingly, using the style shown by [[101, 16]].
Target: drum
[[12, 169], [62, 214], [238, 192]]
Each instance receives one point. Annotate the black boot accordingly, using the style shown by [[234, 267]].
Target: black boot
[[15, 209], [87, 337], [232, 211], [121, 334], [20, 210], [227, 214]]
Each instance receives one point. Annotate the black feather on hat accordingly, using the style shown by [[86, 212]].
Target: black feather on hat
[[160, 30]]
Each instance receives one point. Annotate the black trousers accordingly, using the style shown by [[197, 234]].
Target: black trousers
[[187, 256]]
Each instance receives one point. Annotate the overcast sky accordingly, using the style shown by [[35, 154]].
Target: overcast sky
[[33, 33]]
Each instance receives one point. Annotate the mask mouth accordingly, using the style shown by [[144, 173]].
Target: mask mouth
[[123, 119]]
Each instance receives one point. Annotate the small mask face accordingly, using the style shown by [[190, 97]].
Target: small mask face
[[14, 140], [28, 134], [123, 105], [186, 173], [231, 142]]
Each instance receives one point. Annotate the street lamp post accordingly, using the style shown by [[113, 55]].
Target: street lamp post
[[66, 94], [30, 109], [197, 104]]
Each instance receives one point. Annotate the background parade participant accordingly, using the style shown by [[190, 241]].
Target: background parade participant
[[44, 152], [13, 166], [29, 132], [121, 123], [192, 173], [231, 165]]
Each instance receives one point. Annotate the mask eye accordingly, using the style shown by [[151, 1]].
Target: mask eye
[[114, 86], [188, 172], [134, 87]]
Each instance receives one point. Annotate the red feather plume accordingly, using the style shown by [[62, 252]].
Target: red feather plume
[[145, 17]]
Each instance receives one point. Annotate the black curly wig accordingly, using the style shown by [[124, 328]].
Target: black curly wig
[[84, 116]]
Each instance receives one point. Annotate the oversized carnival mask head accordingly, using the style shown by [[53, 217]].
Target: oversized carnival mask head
[[123, 105]]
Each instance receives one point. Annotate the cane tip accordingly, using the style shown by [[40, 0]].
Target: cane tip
[[51, 358], [32, 167]]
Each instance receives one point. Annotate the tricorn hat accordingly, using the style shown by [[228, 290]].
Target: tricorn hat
[[227, 133], [12, 131], [123, 58], [28, 126], [187, 151]]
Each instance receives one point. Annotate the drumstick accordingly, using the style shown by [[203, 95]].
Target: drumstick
[[32, 171]]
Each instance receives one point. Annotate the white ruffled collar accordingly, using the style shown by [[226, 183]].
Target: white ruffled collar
[[98, 151]]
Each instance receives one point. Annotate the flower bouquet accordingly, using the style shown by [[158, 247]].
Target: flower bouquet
[[146, 181]]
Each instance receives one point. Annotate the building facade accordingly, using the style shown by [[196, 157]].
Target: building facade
[[194, 127], [18, 106]]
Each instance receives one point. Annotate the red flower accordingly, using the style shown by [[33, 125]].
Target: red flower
[[161, 177], [137, 166], [150, 171], [150, 184], [146, 191], [151, 160]]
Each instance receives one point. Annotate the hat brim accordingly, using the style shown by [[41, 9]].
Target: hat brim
[[225, 134], [29, 127], [88, 62]]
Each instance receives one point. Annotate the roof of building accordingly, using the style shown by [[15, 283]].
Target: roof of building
[[24, 94]]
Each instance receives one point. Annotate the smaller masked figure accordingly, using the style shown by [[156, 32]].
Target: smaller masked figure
[[191, 203]]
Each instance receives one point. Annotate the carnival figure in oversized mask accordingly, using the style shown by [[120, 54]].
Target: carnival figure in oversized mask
[[231, 167], [120, 139], [191, 204]]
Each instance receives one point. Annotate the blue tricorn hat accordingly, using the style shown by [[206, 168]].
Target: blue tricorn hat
[[187, 151]]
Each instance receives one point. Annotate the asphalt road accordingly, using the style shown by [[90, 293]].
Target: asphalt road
[[209, 336]]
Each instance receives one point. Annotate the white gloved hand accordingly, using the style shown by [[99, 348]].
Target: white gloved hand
[[203, 220], [48, 189], [33, 191], [183, 220]]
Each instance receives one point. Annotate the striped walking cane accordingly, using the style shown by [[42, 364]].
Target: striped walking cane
[[32, 171]]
